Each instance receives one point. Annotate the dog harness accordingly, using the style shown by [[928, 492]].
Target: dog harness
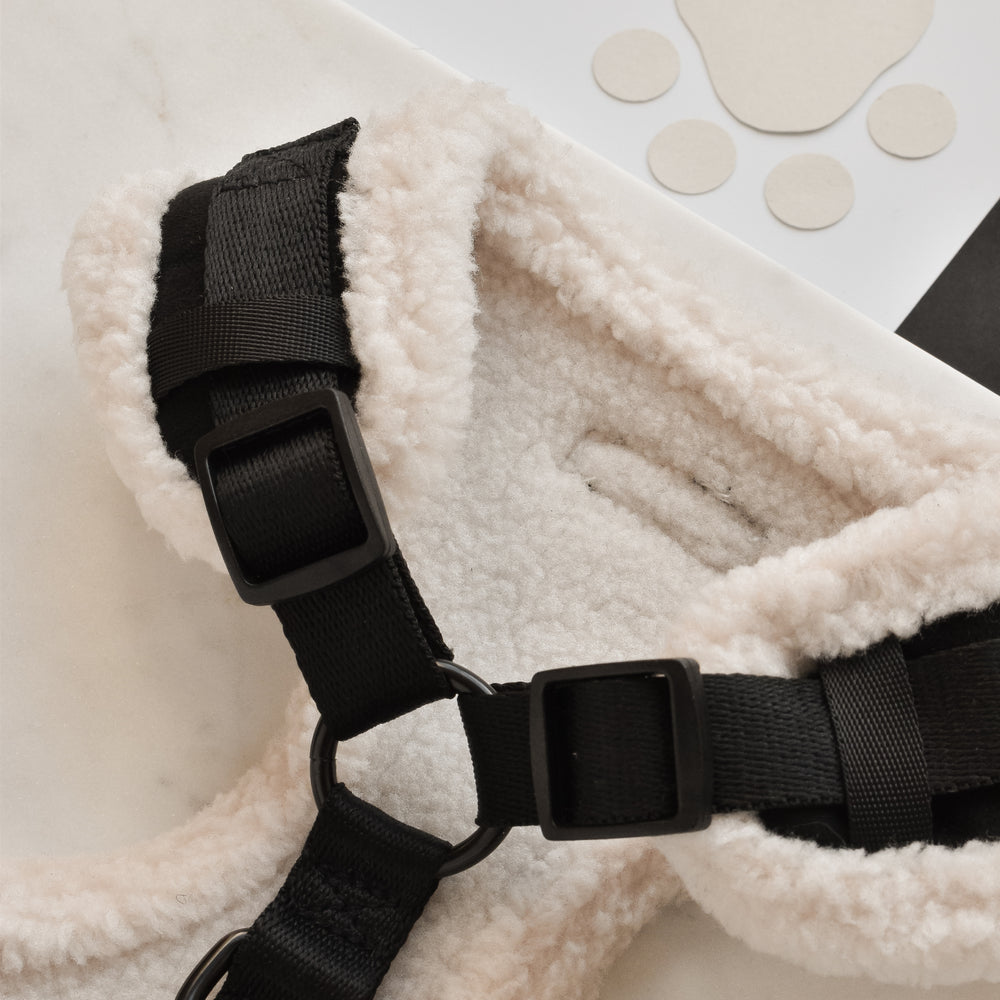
[[253, 375]]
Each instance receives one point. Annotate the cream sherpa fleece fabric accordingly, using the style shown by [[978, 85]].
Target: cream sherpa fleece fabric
[[585, 458]]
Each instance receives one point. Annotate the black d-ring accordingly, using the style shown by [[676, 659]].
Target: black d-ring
[[205, 976], [323, 775]]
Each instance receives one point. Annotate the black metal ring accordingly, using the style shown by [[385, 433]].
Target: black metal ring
[[323, 775], [205, 976]]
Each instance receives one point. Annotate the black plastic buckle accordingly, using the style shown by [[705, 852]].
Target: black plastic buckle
[[379, 542], [691, 742]]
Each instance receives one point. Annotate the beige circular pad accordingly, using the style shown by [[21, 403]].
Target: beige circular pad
[[912, 120], [692, 156], [809, 191], [636, 65]]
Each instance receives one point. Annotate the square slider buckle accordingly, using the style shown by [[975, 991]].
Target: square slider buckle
[[379, 542], [691, 749]]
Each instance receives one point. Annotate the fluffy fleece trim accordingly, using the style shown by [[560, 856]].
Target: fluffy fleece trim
[[410, 221], [110, 277], [470, 164], [55, 911], [918, 915], [462, 165]]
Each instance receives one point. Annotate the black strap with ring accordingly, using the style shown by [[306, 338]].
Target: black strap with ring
[[251, 370], [253, 375]]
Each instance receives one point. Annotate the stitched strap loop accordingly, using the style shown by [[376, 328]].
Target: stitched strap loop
[[344, 911], [881, 751], [301, 328]]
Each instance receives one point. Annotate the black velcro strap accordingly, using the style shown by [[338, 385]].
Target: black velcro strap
[[344, 911], [271, 218], [307, 328], [887, 792], [774, 743]]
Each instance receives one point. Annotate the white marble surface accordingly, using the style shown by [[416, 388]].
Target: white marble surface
[[122, 676], [134, 687]]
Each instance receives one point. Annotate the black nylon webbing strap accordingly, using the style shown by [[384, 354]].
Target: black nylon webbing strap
[[344, 911], [248, 313], [208, 338], [962, 747], [774, 744], [887, 792], [366, 645]]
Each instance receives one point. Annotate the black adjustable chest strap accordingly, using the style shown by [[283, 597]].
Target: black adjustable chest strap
[[881, 749], [251, 369]]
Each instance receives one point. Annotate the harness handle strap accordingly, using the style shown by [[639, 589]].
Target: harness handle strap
[[874, 715]]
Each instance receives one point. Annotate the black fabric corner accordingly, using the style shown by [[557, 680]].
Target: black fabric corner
[[958, 318]]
